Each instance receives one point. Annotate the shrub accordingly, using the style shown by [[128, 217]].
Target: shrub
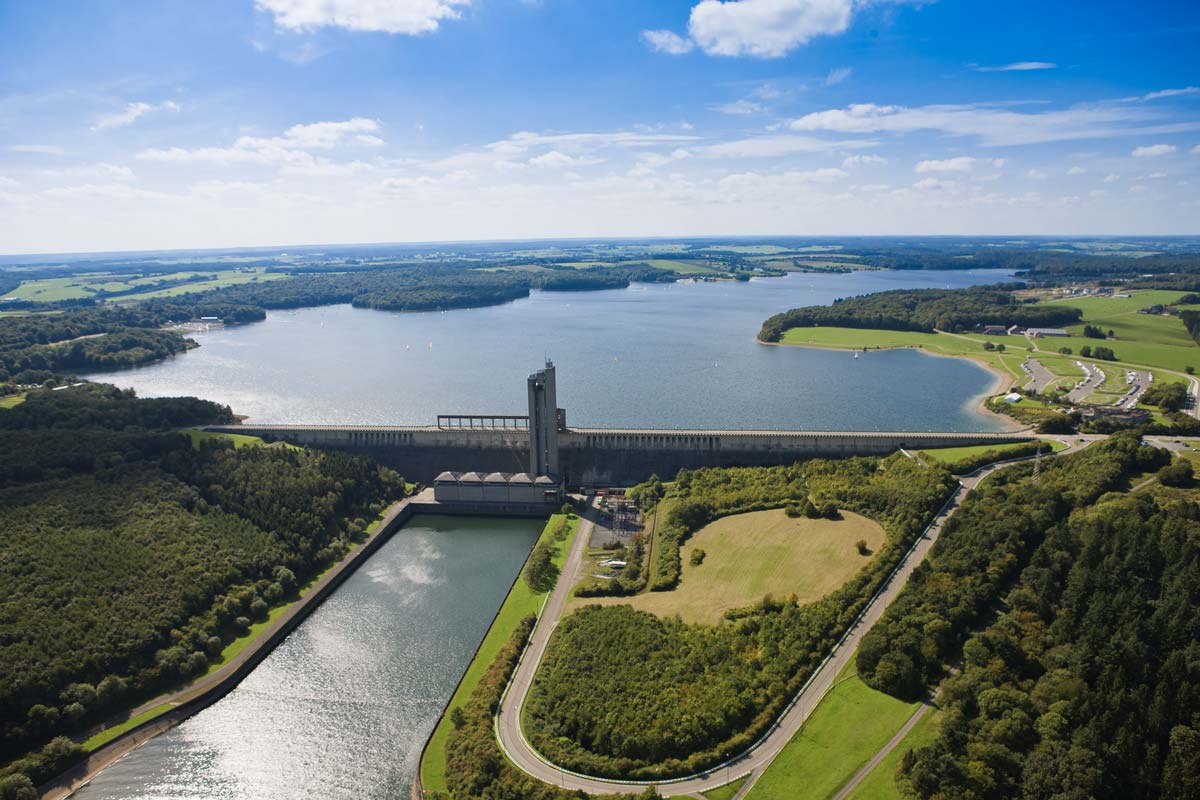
[[697, 557]]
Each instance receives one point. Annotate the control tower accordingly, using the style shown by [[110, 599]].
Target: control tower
[[545, 421]]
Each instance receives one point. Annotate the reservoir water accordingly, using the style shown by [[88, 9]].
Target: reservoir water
[[653, 355], [342, 707]]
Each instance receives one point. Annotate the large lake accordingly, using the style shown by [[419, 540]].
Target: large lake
[[654, 355], [341, 709]]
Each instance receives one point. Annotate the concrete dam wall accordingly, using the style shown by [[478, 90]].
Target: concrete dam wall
[[600, 456]]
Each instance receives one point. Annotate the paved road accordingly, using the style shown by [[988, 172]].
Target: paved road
[[521, 753]]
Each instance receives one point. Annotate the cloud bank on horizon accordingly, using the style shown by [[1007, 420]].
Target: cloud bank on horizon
[[251, 122]]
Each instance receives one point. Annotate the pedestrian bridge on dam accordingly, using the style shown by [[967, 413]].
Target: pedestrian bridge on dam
[[541, 443]]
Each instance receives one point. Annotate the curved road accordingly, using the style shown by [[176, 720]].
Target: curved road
[[522, 754]]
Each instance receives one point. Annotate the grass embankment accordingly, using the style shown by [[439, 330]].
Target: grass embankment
[[954, 455], [725, 792], [241, 440], [108, 734], [762, 552], [521, 602], [852, 723], [880, 783], [11, 400], [1007, 363]]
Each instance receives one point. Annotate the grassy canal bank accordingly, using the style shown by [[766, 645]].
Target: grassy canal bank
[[522, 601]]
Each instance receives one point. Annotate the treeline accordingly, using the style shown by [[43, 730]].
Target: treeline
[[36, 347], [623, 693], [1087, 684], [1191, 321], [923, 310], [426, 288], [980, 552], [130, 558]]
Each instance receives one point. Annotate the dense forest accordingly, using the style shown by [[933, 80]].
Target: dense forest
[[476, 767], [624, 693], [130, 557], [923, 310], [1082, 677]]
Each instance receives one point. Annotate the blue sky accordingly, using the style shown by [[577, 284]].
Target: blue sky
[[131, 125]]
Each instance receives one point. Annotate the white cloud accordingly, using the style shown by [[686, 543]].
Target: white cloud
[[1112, 177], [780, 145], [858, 161], [106, 191], [1077, 170], [740, 107], [1138, 189], [1164, 93], [935, 185], [668, 42], [994, 125], [957, 164], [1018, 66], [1156, 175], [215, 188], [1196, 150], [764, 28], [411, 17], [40, 149], [114, 172], [1153, 150], [758, 28], [838, 75], [1036, 174], [291, 149], [131, 114], [1097, 193], [8, 183], [558, 160]]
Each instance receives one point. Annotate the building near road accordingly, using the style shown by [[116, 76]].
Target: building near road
[[994, 330], [1130, 416], [1040, 332]]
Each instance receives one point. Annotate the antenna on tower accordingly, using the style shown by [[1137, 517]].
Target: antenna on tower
[[1037, 461]]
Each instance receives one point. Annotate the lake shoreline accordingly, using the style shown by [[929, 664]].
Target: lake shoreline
[[1001, 382]]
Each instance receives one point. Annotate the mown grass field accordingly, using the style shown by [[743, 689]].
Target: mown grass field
[[949, 455], [880, 783], [520, 603], [1006, 363], [1140, 339], [82, 286], [11, 400], [762, 552], [850, 725]]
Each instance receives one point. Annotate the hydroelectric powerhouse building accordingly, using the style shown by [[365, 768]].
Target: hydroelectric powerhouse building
[[540, 487]]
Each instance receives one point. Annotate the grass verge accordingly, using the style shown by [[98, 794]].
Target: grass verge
[[725, 792], [850, 725], [108, 734], [880, 783], [520, 603], [11, 400]]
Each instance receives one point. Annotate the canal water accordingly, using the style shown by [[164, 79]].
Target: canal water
[[342, 707], [653, 355]]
